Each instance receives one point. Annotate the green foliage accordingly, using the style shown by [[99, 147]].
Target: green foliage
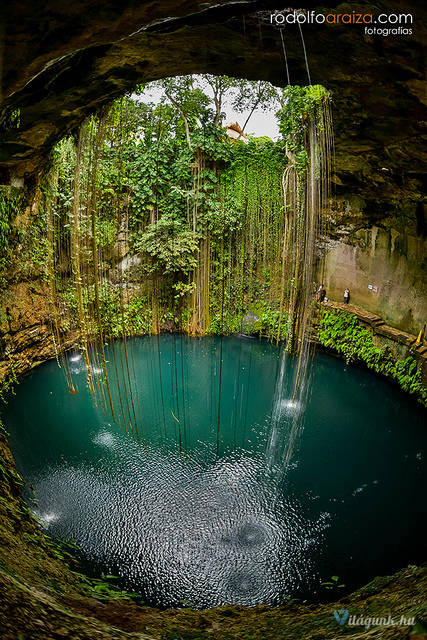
[[137, 318], [183, 288], [332, 584], [222, 217], [225, 323], [231, 320], [268, 323], [105, 589], [169, 245], [301, 162], [11, 119], [189, 100], [8, 209], [153, 168], [300, 106], [9, 382], [33, 248], [106, 233], [342, 332], [203, 213], [11, 201], [255, 95]]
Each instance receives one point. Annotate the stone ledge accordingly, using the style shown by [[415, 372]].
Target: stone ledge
[[378, 327]]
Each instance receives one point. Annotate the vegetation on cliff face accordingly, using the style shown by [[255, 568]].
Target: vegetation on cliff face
[[188, 222], [189, 227], [342, 332], [10, 205], [159, 210]]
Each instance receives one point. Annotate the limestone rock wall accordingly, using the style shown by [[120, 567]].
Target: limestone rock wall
[[386, 272]]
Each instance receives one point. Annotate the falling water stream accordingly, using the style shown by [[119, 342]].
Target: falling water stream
[[241, 526]]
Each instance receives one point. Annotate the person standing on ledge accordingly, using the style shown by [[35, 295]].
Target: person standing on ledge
[[347, 296], [321, 293]]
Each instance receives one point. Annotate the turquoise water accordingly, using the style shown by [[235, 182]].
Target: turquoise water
[[216, 522]]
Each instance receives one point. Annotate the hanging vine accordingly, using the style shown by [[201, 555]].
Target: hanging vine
[[162, 233]]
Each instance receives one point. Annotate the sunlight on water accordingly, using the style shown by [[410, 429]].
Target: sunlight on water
[[206, 529], [47, 519], [188, 529]]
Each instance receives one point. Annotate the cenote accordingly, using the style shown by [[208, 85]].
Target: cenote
[[204, 527]]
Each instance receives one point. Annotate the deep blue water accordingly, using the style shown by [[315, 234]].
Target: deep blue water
[[209, 527]]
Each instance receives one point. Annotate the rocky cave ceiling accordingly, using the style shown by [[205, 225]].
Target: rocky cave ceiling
[[63, 59]]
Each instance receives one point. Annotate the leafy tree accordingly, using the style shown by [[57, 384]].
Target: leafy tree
[[253, 95], [171, 248], [190, 101], [221, 86]]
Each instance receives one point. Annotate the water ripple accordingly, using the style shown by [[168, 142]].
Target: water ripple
[[180, 529]]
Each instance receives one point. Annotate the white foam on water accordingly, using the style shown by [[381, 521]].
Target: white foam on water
[[290, 405], [48, 518], [104, 439], [96, 370]]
